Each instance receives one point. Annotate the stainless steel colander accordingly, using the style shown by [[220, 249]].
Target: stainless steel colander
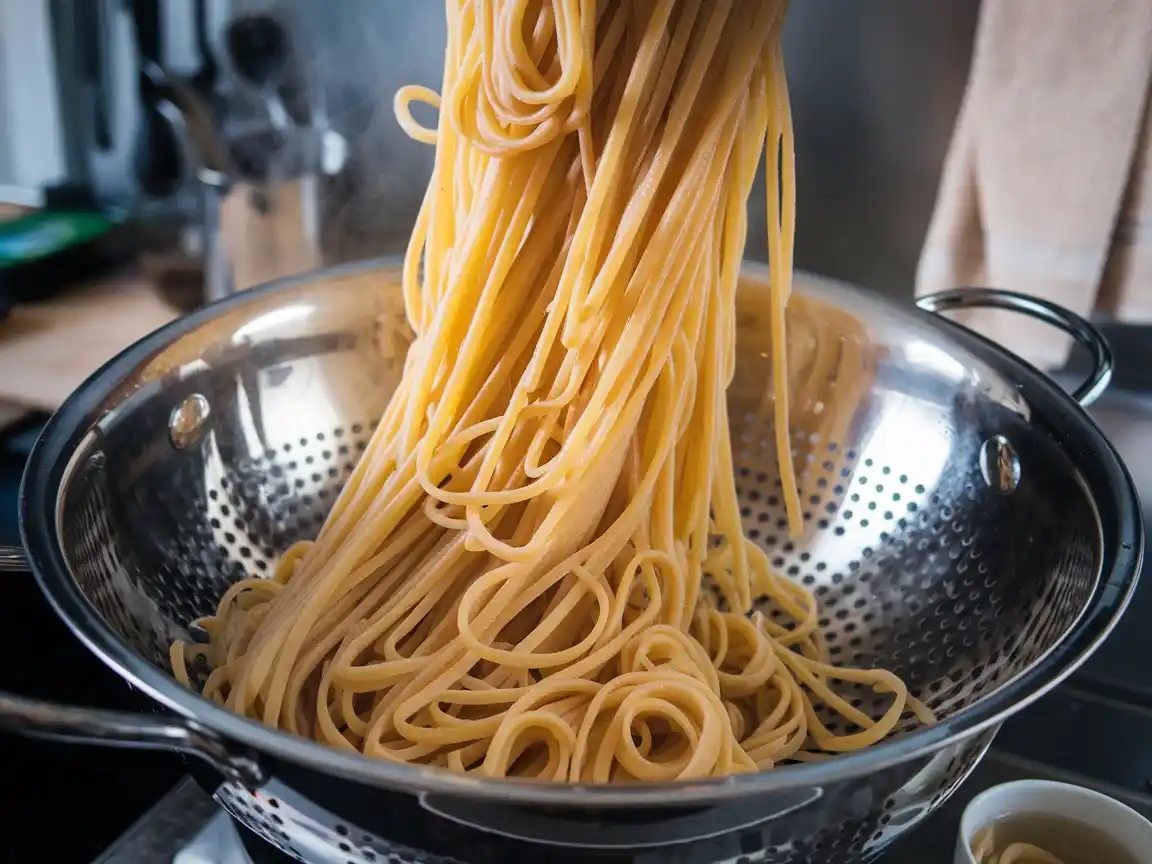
[[966, 525]]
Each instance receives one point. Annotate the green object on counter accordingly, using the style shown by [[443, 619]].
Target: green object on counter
[[48, 250], [43, 234]]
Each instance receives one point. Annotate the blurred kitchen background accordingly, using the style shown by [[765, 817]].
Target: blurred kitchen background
[[155, 154], [875, 92]]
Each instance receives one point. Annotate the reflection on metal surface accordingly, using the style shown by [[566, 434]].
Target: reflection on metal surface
[[188, 420], [552, 829], [271, 321], [999, 465], [13, 560]]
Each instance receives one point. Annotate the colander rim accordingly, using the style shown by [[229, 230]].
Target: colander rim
[[1122, 545]]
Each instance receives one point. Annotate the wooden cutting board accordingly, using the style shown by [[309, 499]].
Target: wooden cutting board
[[48, 349]]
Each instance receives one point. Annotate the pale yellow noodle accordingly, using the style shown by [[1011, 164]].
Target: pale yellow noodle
[[1025, 853], [538, 567]]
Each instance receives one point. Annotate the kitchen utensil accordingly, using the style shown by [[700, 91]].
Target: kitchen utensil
[[204, 79], [1119, 821], [967, 526], [95, 67], [270, 231], [260, 50], [195, 127], [159, 166]]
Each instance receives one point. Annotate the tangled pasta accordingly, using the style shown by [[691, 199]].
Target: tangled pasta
[[538, 568]]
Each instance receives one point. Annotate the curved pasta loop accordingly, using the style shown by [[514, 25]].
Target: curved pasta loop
[[538, 567]]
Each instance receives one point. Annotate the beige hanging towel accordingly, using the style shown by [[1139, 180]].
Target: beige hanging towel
[[1047, 187]]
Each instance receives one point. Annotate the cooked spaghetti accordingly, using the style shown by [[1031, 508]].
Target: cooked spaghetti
[[538, 568], [1020, 853]]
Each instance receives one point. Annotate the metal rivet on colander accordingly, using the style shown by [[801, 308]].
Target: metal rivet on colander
[[189, 420], [1000, 465]]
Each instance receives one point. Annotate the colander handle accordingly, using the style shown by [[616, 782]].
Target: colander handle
[[40, 719], [1042, 310], [13, 560]]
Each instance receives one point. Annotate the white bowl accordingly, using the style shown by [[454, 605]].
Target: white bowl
[[1119, 821]]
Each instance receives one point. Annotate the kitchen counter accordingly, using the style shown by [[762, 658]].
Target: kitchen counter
[[48, 349]]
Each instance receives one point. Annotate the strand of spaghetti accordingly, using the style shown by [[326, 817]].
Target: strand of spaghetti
[[1026, 853]]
